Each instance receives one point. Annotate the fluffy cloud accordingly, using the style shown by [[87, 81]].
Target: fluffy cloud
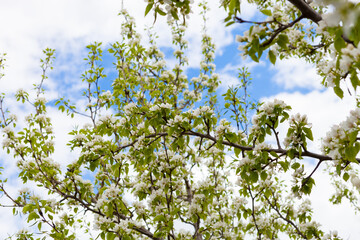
[[296, 73]]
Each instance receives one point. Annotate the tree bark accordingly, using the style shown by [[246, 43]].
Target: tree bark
[[306, 10]]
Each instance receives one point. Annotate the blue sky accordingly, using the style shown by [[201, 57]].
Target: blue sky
[[68, 26]]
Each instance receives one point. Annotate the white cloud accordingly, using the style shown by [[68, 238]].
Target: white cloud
[[229, 73], [293, 73]]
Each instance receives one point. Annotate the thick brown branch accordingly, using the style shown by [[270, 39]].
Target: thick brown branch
[[306, 10]]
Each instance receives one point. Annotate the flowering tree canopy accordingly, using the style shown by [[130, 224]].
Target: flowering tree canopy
[[163, 158]]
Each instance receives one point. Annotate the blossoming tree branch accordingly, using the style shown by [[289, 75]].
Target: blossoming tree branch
[[156, 160]]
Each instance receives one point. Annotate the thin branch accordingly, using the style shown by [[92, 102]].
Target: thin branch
[[284, 218], [253, 212], [314, 170], [279, 30]]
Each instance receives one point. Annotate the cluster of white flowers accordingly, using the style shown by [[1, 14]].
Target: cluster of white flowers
[[123, 226], [195, 205], [80, 137], [168, 74], [97, 139], [159, 193], [304, 208], [178, 52], [223, 127], [107, 119], [86, 183], [20, 147], [294, 138], [268, 109], [50, 163], [156, 107], [153, 49], [303, 227], [134, 41], [180, 39], [13, 117], [332, 235], [337, 138], [8, 130], [178, 119], [49, 129], [249, 36], [21, 92], [129, 108], [355, 180], [260, 147], [244, 161], [41, 100], [6, 142], [202, 111], [106, 95], [140, 207], [350, 54], [195, 95], [139, 187], [298, 174], [239, 202], [41, 118], [171, 7], [160, 64], [329, 68], [99, 221]]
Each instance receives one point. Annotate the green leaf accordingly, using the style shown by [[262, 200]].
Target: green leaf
[[282, 40], [229, 23], [350, 154], [267, 12], [339, 43], [161, 12], [346, 177], [32, 215], [308, 133], [110, 236], [232, 5], [338, 91], [295, 165], [254, 176], [272, 57], [263, 175], [354, 80], [39, 226], [148, 8], [159, 218], [237, 151], [174, 14], [274, 154], [291, 153], [353, 136], [27, 208]]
